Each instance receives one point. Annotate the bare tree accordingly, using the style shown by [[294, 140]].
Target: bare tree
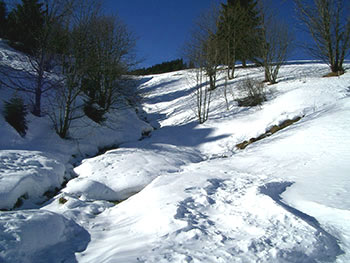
[[276, 43], [328, 22], [73, 64], [203, 96], [98, 51], [225, 94], [110, 46], [201, 83], [64, 106], [203, 50]]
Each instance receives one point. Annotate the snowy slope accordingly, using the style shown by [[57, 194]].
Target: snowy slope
[[41, 161], [194, 196], [283, 199], [114, 176]]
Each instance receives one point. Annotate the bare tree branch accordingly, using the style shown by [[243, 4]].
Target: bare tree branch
[[328, 22]]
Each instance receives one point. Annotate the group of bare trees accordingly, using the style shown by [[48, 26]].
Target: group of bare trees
[[237, 31], [99, 52], [251, 31], [276, 43], [75, 51], [80, 53], [204, 53]]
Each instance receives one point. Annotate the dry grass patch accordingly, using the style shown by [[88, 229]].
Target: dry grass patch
[[334, 74], [269, 132]]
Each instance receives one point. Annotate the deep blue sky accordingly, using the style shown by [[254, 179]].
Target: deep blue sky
[[163, 26]]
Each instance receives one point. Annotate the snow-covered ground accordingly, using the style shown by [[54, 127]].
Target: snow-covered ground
[[193, 196]]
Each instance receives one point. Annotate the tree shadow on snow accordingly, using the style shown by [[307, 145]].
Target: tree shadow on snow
[[188, 135], [146, 90], [171, 96], [143, 80]]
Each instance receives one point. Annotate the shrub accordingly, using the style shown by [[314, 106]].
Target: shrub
[[254, 93], [94, 112], [62, 200], [15, 114], [20, 201]]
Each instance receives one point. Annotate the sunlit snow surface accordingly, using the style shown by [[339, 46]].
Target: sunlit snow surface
[[194, 196], [236, 209], [29, 174]]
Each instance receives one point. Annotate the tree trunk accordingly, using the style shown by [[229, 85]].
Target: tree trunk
[[233, 67], [267, 75], [38, 93], [212, 82], [232, 72], [336, 68]]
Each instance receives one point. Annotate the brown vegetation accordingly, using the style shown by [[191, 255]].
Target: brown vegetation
[[334, 74], [269, 132]]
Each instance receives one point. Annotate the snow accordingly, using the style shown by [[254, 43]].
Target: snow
[[113, 177], [27, 174], [28, 236], [188, 194], [41, 161]]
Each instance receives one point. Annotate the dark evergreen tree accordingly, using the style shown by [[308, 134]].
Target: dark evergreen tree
[[164, 67], [25, 25], [3, 19], [251, 33], [238, 31], [15, 114], [230, 34]]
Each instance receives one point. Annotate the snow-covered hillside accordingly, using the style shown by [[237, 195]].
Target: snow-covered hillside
[[41, 161], [193, 196]]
